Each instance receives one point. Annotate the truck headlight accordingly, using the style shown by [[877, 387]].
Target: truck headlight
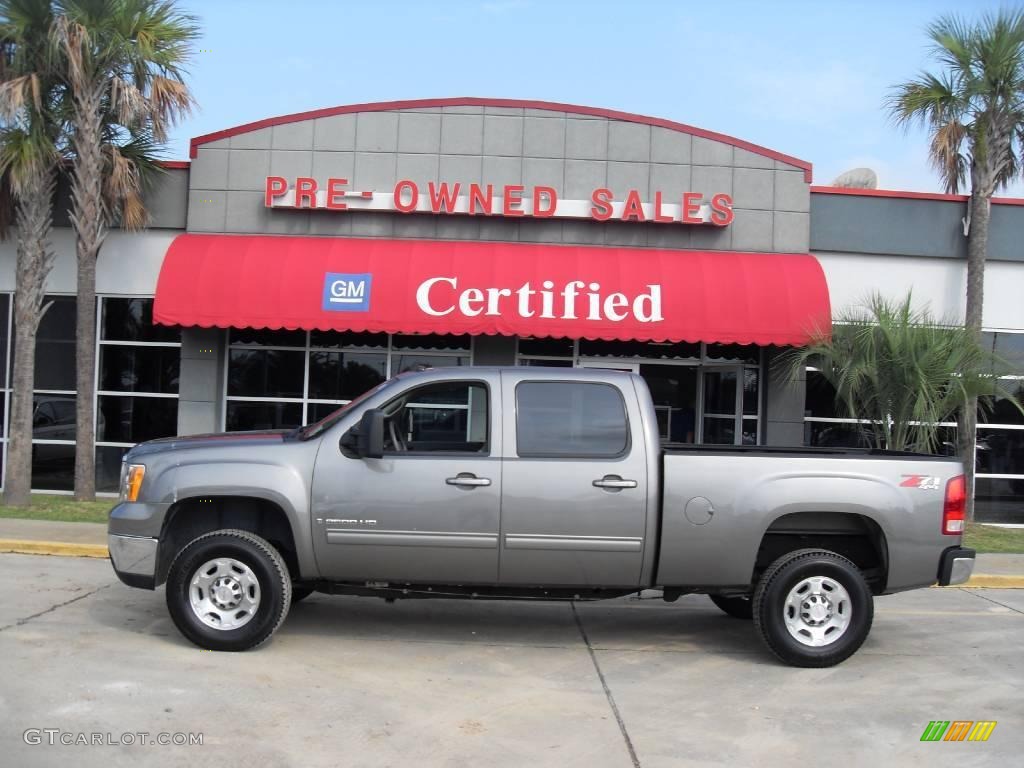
[[131, 481]]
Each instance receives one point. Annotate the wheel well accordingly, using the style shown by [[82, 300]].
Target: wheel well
[[855, 537], [192, 517]]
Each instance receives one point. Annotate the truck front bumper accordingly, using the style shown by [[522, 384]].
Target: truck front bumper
[[955, 566], [134, 559]]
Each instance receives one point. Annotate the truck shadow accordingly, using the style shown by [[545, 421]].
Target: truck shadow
[[692, 625]]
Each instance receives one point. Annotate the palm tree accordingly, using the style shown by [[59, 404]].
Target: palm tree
[[125, 61], [901, 371], [29, 161], [973, 107]]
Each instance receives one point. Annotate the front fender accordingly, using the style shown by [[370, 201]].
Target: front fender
[[283, 485]]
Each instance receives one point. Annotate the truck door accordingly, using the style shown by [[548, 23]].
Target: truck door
[[574, 502], [428, 511]]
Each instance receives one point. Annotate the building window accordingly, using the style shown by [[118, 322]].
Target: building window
[[999, 454], [137, 387], [703, 393], [283, 379], [137, 391]]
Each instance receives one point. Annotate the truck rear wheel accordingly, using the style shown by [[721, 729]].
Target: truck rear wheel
[[813, 608], [737, 606], [228, 590]]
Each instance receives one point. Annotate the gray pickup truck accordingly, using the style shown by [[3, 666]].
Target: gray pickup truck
[[530, 483]]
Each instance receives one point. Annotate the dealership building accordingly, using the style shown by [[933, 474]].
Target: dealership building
[[294, 262]]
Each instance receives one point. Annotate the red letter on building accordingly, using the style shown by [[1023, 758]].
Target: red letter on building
[[334, 191], [512, 198], [633, 208], [691, 208], [305, 189], [658, 215], [443, 199], [414, 196], [539, 193], [276, 186], [721, 210], [477, 197], [602, 207]]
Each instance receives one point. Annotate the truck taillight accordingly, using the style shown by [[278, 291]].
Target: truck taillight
[[954, 506]]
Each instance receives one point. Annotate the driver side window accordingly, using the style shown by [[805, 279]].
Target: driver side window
[[444, 417]]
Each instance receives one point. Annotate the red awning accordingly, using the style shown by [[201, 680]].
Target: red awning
[[428, 286]]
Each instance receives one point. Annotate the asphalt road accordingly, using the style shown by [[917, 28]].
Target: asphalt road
[[357, 682]]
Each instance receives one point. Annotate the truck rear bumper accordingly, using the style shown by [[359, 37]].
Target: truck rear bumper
[[134, 559], [955, 566]]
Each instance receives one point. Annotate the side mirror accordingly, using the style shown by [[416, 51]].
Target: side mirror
[[370, 443]]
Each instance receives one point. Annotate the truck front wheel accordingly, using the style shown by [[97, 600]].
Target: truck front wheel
[[228, 590], [813, 608]]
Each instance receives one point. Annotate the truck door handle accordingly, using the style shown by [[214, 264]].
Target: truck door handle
[[468, 480], [614, 482]]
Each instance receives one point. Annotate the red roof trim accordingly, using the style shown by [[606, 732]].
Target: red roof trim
[[903, 195], [175, 165], [472, 101]]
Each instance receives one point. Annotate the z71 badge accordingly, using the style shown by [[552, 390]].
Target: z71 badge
[[924, 482]]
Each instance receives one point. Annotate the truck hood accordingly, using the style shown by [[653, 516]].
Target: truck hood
[[214, 440]]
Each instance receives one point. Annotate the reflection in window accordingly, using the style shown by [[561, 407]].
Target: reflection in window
[[343, 375], [243, 416], [135, 419], [265, 373], [441, 417], [139, 369], [55, 345], [316, 372], [564, 418]]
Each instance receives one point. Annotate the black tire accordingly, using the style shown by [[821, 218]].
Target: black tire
[[770, 610], [300, 593], [737, 606], [269, 569]]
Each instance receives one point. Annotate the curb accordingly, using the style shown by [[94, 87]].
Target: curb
[[994, 581], [59, 548], [65, 549]]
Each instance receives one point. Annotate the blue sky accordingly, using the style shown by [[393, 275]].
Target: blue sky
[[805, 78]]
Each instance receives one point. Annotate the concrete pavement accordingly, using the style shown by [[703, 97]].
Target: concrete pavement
[[357, 682]]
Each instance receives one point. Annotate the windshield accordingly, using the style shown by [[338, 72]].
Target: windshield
[[328, 421]]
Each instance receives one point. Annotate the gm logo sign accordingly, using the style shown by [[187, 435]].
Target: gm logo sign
[[347, 293]]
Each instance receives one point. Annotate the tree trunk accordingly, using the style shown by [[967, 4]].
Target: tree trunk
[[977, 250], [88, 219], [34, 217]]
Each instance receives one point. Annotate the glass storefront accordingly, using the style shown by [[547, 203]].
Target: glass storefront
[[137, 386], [282, 379], [703, 393], [999, 486]]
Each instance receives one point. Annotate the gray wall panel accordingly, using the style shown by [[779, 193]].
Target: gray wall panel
[[855, 224], [575, 154], [908, 227], [167, 200]]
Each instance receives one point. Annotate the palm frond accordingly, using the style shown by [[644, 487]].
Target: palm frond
[[901, 369]]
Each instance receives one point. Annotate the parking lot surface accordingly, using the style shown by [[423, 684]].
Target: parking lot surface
[[358, 682]]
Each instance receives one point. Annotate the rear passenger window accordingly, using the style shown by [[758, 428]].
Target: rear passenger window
[[568, 418]]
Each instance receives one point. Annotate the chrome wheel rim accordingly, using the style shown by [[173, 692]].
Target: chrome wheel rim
[[224, 593], [817, 611]]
